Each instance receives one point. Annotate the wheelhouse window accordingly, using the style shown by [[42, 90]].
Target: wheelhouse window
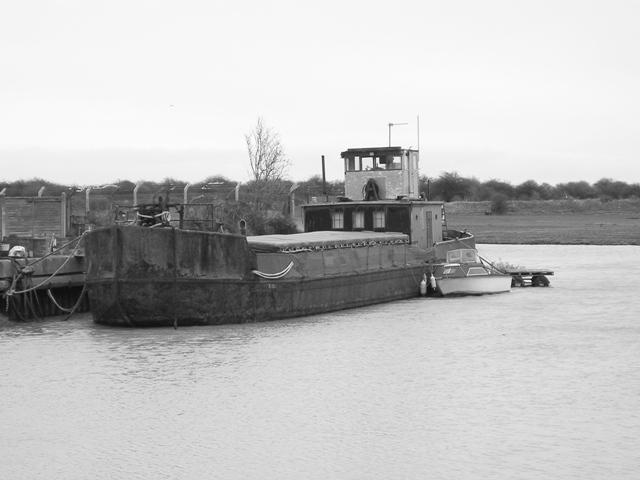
[[350, 164], [390, 162], [337, 220], [379, 219], [359, 163], [367, 163], [358, 220]]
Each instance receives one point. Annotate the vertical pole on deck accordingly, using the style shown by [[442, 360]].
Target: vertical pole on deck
[[324, 182]]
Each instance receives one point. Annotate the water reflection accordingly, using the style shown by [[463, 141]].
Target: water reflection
[[537, 383]]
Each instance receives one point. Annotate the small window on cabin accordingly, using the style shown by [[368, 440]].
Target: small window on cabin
[[337, 220], [358, 220], [474, 271], [350, 164], [394, 162], [367, 163], [378, 219]]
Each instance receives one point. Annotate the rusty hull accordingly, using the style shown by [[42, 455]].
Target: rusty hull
[[143, 277]]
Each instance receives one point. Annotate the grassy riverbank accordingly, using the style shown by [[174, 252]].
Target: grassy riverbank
[[571, 222]]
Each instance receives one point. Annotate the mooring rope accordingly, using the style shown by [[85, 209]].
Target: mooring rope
[[492, 265], [78, 302], [274, 276], [60, 307]]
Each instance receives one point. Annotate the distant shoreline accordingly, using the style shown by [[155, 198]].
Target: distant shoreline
[[552, 222]]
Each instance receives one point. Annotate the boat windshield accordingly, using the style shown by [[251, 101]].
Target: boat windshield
[[463, 255]]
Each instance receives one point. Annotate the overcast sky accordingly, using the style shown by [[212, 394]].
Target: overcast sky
[[91, 92]]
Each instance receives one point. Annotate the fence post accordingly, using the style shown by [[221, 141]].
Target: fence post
[[87, 202], [185, 194], [33, 216], [135, 194], [63, 214], [2, 223]]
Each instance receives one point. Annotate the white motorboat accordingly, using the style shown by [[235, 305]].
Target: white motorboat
[[465, 274]]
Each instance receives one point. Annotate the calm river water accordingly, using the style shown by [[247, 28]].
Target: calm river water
[[533, 384]]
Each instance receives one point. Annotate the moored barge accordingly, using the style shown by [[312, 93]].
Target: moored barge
[[374, 245]]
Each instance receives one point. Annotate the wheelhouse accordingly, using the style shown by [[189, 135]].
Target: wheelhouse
[[381, 195]]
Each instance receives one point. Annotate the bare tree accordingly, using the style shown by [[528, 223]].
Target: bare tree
[[266, 154], [268, 190]]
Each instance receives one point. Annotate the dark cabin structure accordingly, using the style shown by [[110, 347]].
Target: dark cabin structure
[[381, 195]]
